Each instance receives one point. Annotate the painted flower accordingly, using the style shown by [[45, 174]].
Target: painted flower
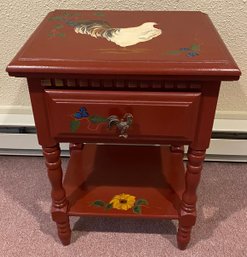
[[184, 49], [192, 54], [123, 202], [192, 51], [82, 113]]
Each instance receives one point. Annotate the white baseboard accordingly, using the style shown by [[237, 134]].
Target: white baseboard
[[231, 115], [15, 109], [20, 109], [220, 125], [26, 144], [226, 150], [16, 120]]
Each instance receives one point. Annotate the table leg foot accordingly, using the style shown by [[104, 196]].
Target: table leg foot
[[64, 231], [61, 218], [183, 237]]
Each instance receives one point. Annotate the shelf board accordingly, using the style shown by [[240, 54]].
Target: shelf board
[[99, 172]]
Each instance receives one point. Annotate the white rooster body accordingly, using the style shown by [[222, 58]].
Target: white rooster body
[[120, 36]]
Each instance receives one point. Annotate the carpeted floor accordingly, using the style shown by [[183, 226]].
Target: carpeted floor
[[27, 230]]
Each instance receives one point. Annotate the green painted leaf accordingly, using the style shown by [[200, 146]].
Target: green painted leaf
[[50, 34], [137, 209], [175, 52], [98, 203], [141, 202], [97, 119], [195, 47], [61, 35], [74, 125], [108, 206], [58, 26]]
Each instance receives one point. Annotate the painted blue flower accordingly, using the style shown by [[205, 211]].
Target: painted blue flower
[[192, 54], [82, 113], [184, 49]]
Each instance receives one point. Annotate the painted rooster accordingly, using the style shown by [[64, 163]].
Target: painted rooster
[[122, 124], [120, 36]]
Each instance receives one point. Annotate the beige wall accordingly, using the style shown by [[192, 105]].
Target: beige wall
[[18, 18]]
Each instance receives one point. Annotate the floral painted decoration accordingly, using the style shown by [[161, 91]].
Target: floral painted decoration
[[83, 116], [122, 202], [100, 28], [71, 19], [192, 51]]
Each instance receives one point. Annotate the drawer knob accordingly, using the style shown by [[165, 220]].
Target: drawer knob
[[122, 124]]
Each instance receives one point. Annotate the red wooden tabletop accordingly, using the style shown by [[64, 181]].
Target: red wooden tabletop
[[125, 42]]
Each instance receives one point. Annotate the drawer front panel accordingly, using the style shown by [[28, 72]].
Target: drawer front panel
[[85, 114]]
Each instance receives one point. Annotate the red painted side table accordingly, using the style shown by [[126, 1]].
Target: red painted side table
[[124, 78]]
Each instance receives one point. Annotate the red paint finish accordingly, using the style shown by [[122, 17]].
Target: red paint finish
[[169, 85]]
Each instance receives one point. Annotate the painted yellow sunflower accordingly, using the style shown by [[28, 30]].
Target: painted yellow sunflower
[[123, 201]]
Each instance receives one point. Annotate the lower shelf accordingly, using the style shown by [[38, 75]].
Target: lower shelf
[[152, 174]]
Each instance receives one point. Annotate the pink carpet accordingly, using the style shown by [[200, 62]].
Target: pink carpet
[[26, 228]]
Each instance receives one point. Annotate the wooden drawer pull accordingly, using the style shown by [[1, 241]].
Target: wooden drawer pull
[[122, 124]]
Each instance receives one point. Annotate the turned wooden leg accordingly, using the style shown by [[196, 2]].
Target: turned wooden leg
[[187, 216], [73, 146], [59, 201]]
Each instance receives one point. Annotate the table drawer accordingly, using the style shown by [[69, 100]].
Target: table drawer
[[88, 114]]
